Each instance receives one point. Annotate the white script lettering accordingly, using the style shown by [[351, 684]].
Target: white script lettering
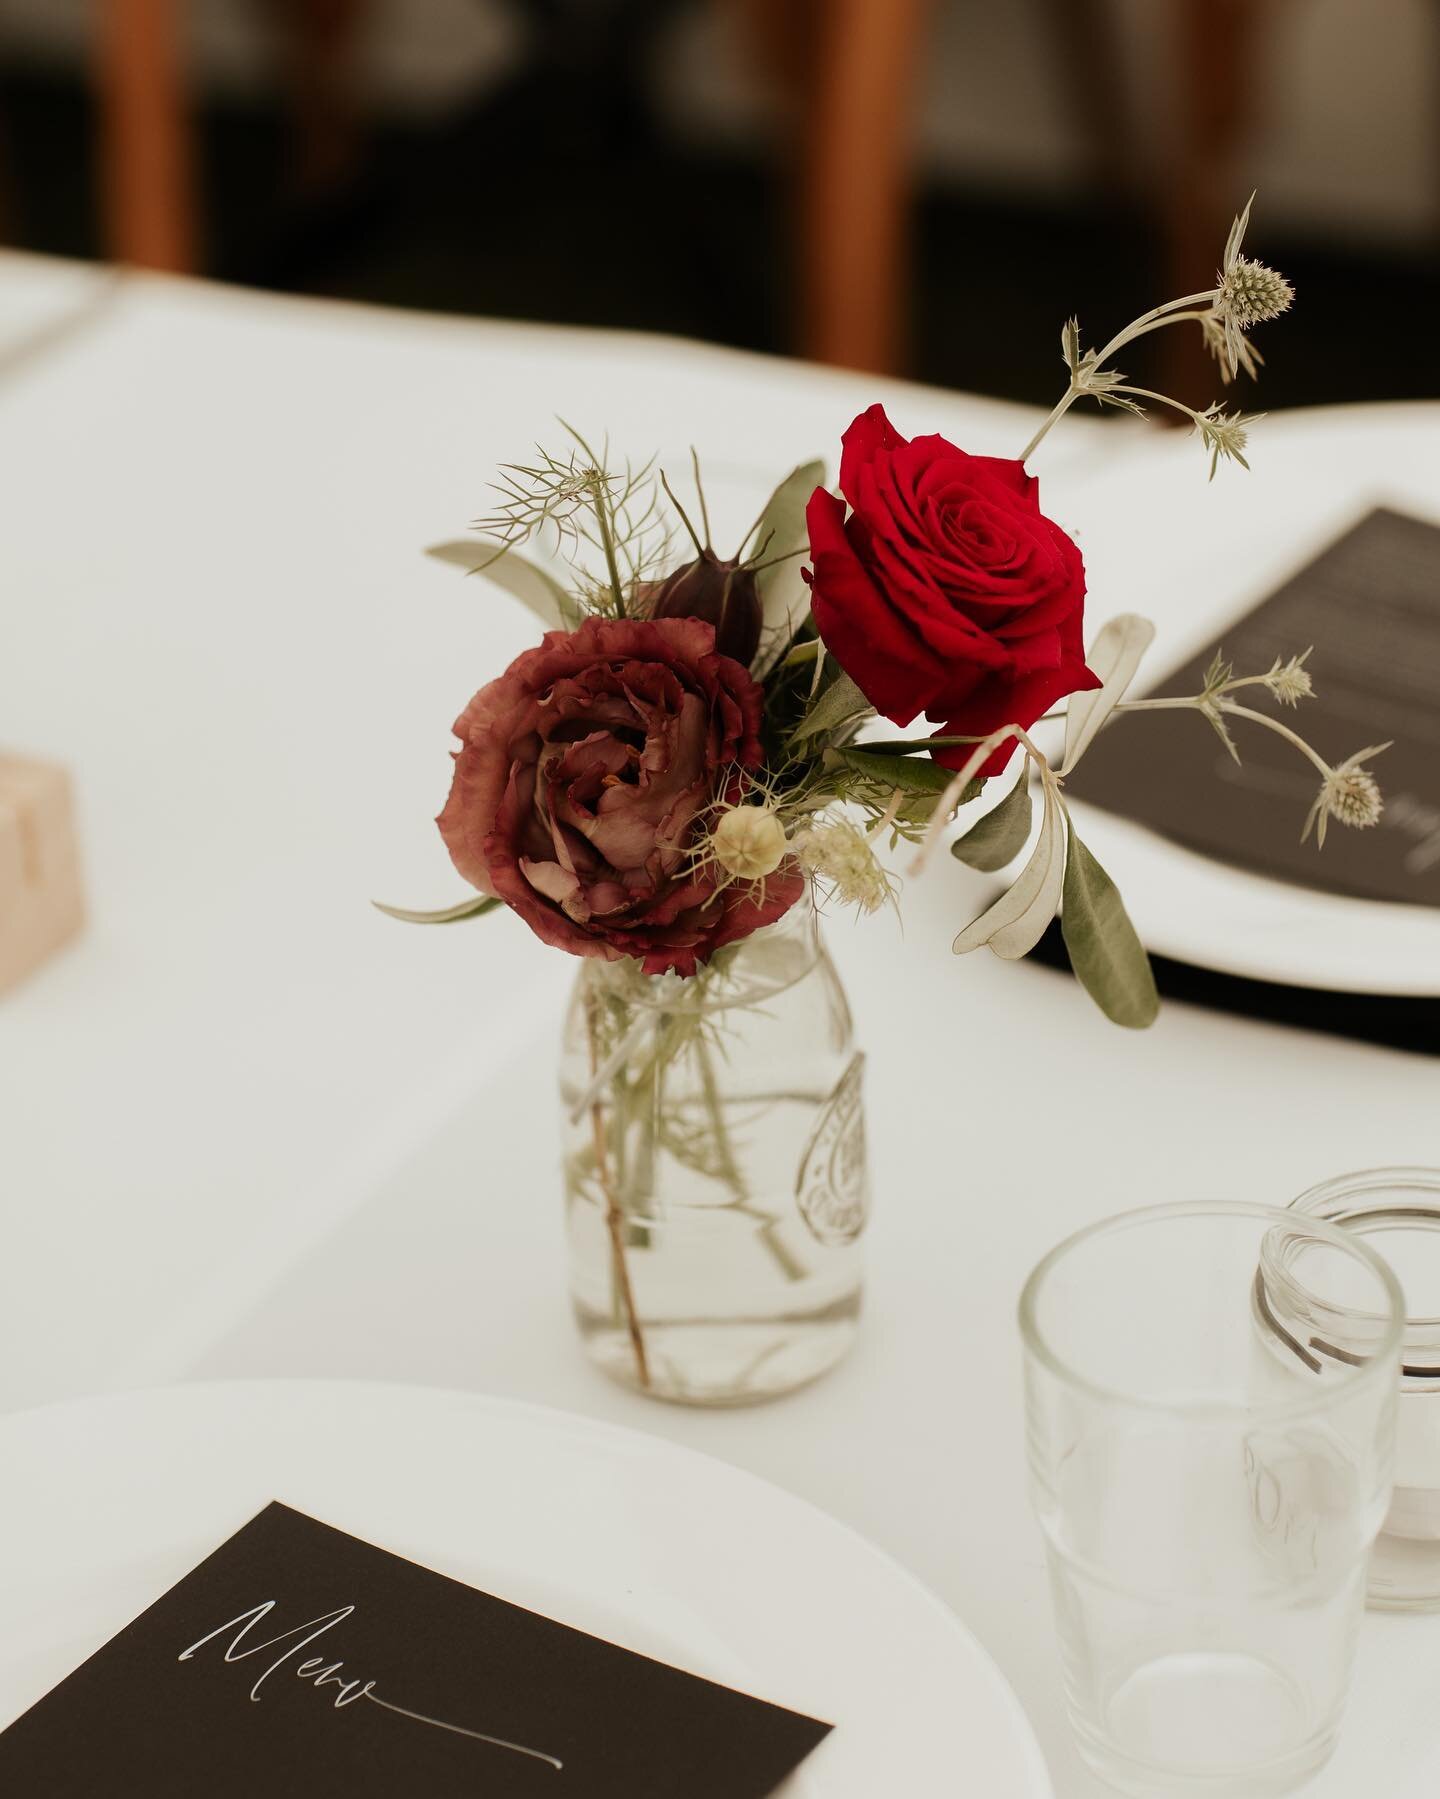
[[321, 1673]]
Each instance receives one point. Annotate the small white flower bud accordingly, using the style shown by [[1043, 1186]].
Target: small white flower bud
[[749, 842], [838, 852]]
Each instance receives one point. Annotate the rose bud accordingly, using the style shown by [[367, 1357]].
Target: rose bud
[[720, 592]]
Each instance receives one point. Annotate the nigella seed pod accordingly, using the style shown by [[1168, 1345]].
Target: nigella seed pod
[[720, 592], [749, 842]]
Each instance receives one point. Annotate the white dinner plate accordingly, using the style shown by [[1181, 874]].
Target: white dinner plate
[[1212, 915], [107, 1502], [1194, 557]]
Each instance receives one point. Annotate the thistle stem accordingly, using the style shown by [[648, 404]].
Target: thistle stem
[[1146, 393], [1197, 703], [1280, 730], [1057, 412], [1173, 318], [1168, 314], [1157, 315], [1264, 680]]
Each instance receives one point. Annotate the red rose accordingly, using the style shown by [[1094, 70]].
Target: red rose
[[578, 782], [946, 591]]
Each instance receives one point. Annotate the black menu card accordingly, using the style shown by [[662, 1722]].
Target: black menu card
[[1370, 605], [297, 1660]]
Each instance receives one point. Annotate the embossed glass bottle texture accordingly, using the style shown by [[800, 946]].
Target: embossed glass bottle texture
[[716, 1187]]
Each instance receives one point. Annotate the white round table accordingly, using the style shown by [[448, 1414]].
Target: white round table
[[250, 1128]]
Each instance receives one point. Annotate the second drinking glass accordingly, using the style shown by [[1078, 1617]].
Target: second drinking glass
[[1208, 1486]]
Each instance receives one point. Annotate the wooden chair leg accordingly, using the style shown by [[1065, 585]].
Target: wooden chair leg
[[1087, 43], [1214, 49], [319, 42], [147, 173], [855, 181], [778, 36]]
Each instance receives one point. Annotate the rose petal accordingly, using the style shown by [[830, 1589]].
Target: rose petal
[[1003, 700], [871, 433], [580, 775]]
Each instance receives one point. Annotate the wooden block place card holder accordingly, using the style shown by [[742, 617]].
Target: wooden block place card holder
[[41, 900]]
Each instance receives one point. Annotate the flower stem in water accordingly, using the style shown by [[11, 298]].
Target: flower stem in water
[[614, 1217]]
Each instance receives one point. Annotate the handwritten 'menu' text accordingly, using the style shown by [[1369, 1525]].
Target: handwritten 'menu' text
[[319, 1672]]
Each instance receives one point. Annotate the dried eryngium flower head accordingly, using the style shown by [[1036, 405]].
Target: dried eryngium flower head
[[1251, 294], [1349, 793], [1247, 293], [1353, 796], [1224, 434], [1290, 681]]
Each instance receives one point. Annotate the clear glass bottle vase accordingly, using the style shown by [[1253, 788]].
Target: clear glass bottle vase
[[715, 1175]]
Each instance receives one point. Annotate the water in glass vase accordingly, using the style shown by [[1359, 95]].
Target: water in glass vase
[[715, 1176]]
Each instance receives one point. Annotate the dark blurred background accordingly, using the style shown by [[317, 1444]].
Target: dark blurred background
[[926, 186]]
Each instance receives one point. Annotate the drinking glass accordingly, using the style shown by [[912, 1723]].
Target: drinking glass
[[1209, 1489], [1398, 1209]]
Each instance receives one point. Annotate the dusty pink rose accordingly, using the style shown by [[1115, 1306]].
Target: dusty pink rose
[[579, 780]]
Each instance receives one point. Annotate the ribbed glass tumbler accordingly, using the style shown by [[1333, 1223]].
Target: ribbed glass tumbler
[[1398, 1210], [1209, 1488]]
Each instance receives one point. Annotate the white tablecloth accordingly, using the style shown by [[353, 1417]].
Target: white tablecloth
[[249, 1127]]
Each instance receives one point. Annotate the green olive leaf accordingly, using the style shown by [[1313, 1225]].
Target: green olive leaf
[[911, 774], [840, 703], [779, 537], [467, 908], [999, 837], [1018, 919], [556, 609], [1114, 656], [1108, 957]]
